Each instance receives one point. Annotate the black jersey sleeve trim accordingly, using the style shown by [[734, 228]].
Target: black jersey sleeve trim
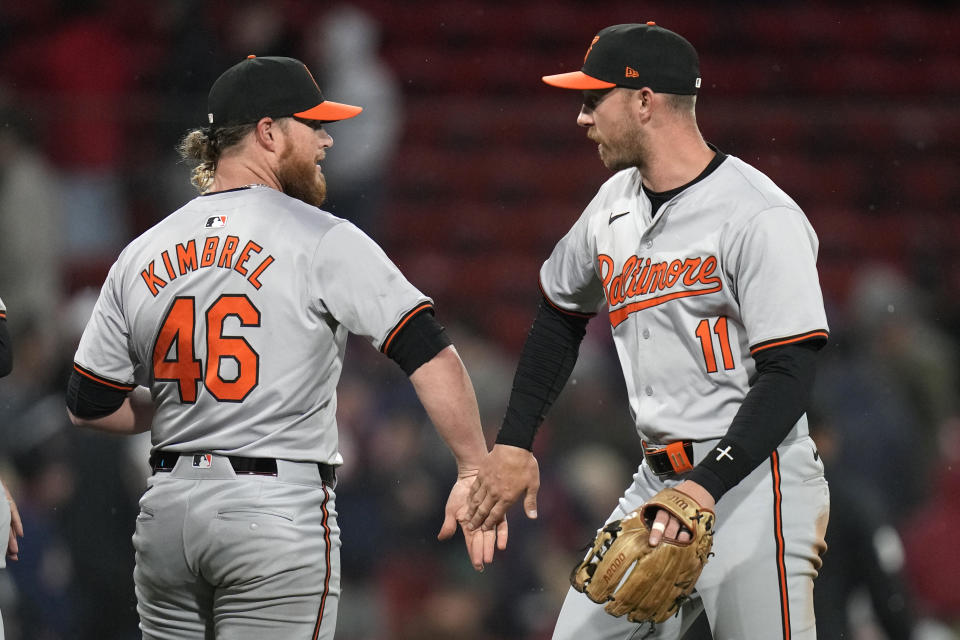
[[89, 397], [106, 382], [417, 340], [385, 348], [818, 336], [556, 307]]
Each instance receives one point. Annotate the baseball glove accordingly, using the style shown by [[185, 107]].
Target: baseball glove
[[662, 577]]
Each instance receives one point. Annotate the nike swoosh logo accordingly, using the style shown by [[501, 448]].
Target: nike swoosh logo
[[619, 215]]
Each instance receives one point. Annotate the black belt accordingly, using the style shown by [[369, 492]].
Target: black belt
[[165, 461], [676, 457]]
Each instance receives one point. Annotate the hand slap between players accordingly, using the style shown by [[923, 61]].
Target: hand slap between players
[[505, 474], [480, 543]]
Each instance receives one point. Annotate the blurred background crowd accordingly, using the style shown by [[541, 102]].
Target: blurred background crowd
[[467, 170]]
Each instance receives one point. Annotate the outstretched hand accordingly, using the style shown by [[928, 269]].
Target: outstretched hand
[[480, 543], [16, 529], [505, 474]]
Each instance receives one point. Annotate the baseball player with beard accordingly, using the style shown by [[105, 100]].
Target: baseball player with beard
[[222, 331], [707, 270]]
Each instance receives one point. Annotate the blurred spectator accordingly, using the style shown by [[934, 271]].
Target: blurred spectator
[[189, 59], [933, 562], [594, 475], [888, 307], [85, 69], [491, 371], [254, 27], [44, 575], [453, 614], [343, 47], [888, 380], [31, 225], [864, 559]]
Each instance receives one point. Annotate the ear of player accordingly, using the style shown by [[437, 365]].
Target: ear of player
[[660, 578]]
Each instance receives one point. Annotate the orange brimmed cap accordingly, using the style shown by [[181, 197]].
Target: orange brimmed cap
[[635, 56], [274, 87]]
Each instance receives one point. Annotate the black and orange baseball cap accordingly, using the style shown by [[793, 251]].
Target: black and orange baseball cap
[[274, 87], [636, 56]]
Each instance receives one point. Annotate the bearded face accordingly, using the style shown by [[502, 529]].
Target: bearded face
[[608, 115], [620, 145], [300, 176]]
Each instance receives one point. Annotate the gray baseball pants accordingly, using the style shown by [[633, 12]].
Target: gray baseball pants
[[225, 556]]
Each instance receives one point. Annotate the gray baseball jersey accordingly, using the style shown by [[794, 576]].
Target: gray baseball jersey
[[724, 269], [235, 311]]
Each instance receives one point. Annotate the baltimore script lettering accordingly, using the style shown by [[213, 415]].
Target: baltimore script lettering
[[184, 259], [639, 277]]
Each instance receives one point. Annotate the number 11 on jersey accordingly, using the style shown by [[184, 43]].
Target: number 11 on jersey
[[706, 342]]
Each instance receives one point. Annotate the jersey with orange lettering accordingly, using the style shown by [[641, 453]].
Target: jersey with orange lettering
[[237, 322], [701, 292], [724, 269]]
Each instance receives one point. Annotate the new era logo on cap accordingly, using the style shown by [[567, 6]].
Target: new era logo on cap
[[636, 56]]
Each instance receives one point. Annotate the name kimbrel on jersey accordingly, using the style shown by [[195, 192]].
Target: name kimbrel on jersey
[[184, 259], [667, 281]]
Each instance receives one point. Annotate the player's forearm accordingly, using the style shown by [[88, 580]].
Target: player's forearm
[[777, 399], [444, 388], [135, 415], [546, 362]]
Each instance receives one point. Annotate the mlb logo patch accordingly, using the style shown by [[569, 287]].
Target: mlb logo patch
[[202, 461], [216, 222]]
